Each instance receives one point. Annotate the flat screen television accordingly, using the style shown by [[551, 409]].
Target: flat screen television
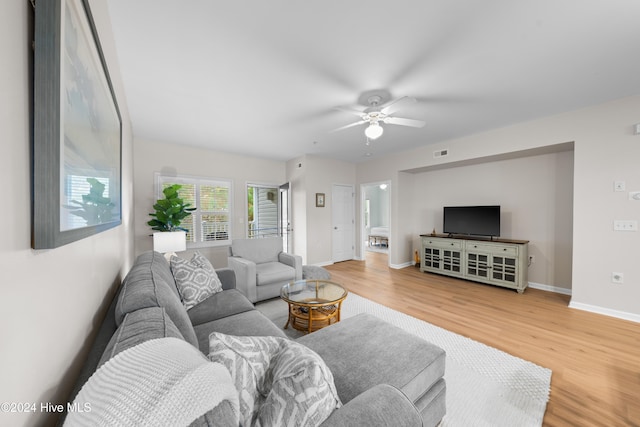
[[472, 220]]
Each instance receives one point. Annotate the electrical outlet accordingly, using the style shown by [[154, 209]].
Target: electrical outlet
[[617, 277]]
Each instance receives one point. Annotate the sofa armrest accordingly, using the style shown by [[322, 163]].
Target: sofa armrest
[[245, 271], [227, 277], [291, 260], [382, 405]]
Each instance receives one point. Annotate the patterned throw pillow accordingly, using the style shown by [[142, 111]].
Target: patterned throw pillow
[[196, 279], [279, 381], [302, 390]]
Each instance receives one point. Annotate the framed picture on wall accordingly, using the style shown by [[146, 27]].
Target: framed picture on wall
[[320, 200], [77, 129]]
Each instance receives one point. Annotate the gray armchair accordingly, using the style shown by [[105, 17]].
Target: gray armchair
[[262, 268]]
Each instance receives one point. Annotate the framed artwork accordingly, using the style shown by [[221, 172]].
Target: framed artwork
[[320, 200], [77, 129]]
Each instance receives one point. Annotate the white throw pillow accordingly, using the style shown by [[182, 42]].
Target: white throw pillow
[[279, 381], [196, 279], [164, 381]]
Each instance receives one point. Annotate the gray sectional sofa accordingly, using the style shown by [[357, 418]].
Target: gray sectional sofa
[[383, 375]]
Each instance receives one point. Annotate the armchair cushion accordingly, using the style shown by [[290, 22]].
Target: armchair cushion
[[270, 272], [257, 250]]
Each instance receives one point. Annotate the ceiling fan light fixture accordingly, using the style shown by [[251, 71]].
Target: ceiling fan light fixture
[[373, 131]]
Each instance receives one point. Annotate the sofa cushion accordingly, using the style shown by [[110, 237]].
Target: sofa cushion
[[257, 250], [247, 323], [196, 279], [272, 272], [217, 306], [381, 354], [279, 382], [140, 326], [150, 284]]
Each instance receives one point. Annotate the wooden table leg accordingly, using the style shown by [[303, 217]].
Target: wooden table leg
[[288, 318]]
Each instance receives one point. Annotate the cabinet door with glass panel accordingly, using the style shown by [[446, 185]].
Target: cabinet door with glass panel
[[441, 255], [495, 263]]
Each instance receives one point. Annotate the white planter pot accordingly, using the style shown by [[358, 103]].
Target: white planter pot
[[170, 241]]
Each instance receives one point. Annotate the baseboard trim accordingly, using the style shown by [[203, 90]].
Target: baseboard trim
[[549, 288], [606, 311], [399, 266], [323, 264]]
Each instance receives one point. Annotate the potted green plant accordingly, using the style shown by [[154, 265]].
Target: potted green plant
[[170, 211], [168, 215]]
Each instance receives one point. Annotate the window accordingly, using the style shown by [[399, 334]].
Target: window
[[210, 223], [262, 211]]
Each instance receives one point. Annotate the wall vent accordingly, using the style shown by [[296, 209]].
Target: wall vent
[[441, 153]]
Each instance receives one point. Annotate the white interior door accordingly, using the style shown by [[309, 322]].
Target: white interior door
[[343, 218]]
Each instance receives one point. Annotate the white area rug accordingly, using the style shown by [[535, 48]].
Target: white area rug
[[485, 386]]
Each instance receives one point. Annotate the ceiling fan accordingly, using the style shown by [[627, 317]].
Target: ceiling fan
[[374, 116]]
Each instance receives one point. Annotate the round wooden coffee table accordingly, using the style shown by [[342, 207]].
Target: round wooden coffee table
[[313, 304]]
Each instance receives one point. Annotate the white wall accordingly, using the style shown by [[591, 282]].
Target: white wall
[[605, 150], [379, 204], [51, 301], [154, 156], [536, 198], [316, 175]]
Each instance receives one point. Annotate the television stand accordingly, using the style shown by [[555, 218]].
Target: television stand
[[500, 262]]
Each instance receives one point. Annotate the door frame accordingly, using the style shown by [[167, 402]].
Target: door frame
[[285, 231]]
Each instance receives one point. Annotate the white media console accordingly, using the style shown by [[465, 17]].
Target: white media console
[[500, 262]]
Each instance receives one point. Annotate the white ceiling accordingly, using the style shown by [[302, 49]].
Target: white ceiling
[[264, 77]]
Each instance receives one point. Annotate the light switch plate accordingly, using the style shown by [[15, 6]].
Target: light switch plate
[[625, 225], [619, 186]]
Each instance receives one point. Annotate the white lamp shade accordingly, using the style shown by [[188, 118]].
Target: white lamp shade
[[373, 131], [172, 241]]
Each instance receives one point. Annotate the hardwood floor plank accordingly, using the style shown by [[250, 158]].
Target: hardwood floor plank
[[595, 359]]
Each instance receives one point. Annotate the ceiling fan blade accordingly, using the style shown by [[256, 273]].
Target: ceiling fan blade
[[349, 126], [404, 122], [350, 111], [398, 104]]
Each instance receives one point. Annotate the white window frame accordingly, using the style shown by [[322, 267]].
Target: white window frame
[[197, 214]]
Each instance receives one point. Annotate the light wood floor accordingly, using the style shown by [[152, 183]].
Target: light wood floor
[[595, 359]]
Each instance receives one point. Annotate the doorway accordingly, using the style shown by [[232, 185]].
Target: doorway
[[268, 212], [375, 219]]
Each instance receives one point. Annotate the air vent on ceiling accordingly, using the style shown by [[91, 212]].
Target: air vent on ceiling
[[441, 153]]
